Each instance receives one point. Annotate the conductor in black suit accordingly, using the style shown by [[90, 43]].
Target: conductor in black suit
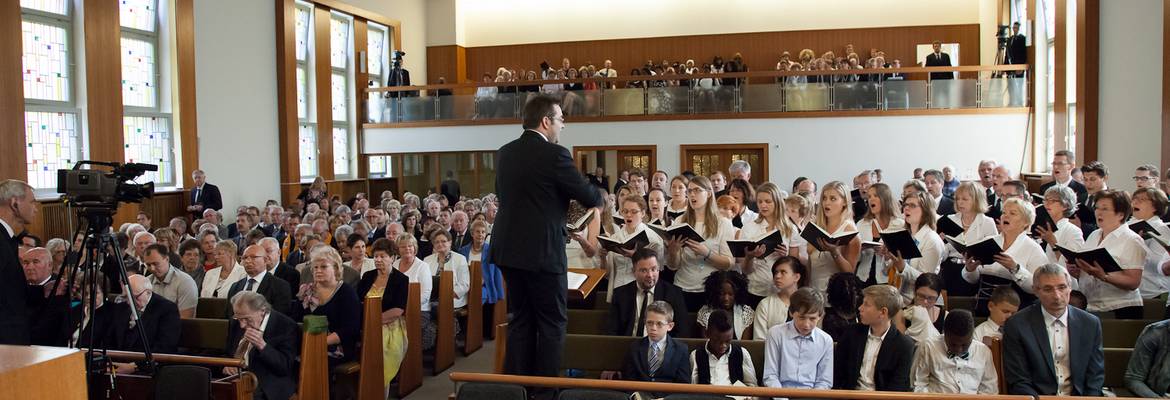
[[114, 327], [259, 280], [267, 341], [627, 311], [1050, 348], [203, 196], [18, 209], [535, 180]]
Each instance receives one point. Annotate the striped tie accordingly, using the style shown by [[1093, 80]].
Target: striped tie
[[655, 358]]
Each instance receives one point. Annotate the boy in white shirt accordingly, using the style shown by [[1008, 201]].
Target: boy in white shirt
[[1003, 303], [955, 362]]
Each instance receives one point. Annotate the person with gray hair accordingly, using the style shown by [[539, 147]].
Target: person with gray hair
[[113, 326], [740, 169], [1050, 348], [59, 250], [1060, 202], [267, 342]]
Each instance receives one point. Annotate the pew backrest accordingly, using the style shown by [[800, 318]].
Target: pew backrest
[[592, 354]]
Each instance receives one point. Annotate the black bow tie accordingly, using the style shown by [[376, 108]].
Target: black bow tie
[[964, 356]]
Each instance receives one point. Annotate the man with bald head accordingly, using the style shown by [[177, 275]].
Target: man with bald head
[[114, 329], [45, 307], [170, 282], [259, 280], [276, 267]]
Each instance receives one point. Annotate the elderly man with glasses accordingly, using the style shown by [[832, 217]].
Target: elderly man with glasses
[[115, 328], [267, 342]]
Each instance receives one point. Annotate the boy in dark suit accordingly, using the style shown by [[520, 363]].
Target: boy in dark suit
[[658, 357], [873, 355]]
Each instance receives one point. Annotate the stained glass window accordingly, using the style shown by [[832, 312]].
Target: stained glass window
[[377, 50], [139, 82], [52, 144], [302, 93], [302, 32], [340, 98], [148, 140], [138, 14], [308, 151], [340, 151], [338, 43], [378, 165], [49, 6], [46, 61]]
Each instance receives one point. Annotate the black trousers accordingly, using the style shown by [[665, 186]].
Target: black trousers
[[536, 332]]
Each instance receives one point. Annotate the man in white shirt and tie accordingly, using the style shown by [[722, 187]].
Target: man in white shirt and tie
[[985, 179], [258, 280], [955, 362], [204, 196]]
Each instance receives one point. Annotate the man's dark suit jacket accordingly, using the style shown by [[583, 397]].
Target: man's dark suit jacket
[[289, 274], [940, 60], [209, 197], [892, 372], [620, 183], [1017, 50], [860, 206], [535, 180], [13, 311], [1027, 356], [275, 366], [450, 189], [111, 327], [274, 289], [621, 320], [676, 362], [457, 241], [946, 206], [47, 315]]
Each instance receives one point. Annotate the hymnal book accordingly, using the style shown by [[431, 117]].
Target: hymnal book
[[581, 223], [900, 242], [631, 243], [674, 214], [948, 227], [575, 280], [1043, 219], [866, 244], [814, 234], [1098, 255], [983, 250], [684, 231], [1142, 228], [619, 221], [1037, 199], [770, 241]]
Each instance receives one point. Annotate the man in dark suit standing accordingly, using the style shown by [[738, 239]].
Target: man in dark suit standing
[[1050, 348], [203, 196], [535, 179], [874, 355], [18, 209], [627, 311], [1016, 53], [115, 328], [267, 341], [941, 95], [449, 188], [275, 290]]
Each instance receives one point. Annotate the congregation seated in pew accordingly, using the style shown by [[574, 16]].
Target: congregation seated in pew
[[114, 327], [392, 286], [267, 341], [954, 362]]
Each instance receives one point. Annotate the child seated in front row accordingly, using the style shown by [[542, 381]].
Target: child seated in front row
[[798, 354], [721, 362], [955, 362], [658, 357], [1003, 303]]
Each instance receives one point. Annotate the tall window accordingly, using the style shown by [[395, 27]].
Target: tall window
[[307, 129], [146, 124], [51, 114], [340, 47]]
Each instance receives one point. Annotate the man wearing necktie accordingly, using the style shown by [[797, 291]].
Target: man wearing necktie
[[204, 195], [658, 357], [267, 342], [627, 310], [275, 290], [18, 209]]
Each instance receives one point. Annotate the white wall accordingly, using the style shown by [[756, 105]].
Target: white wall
[[235, 88], [412, 15], [500, 22], [1130, 87], [823, 149]]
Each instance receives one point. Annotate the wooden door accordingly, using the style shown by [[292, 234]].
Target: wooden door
[[706, 159]]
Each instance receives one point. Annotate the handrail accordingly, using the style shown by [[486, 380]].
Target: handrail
[[658, 387], [727, 75], [175, 358]]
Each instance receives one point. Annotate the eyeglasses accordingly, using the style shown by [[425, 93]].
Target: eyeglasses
[[695, 190], [1142, 178], [927, 299], [656, 324]]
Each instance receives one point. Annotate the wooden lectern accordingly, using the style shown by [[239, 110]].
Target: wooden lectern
[[36, 372]]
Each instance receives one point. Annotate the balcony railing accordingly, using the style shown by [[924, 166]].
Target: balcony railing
[[773, 93]]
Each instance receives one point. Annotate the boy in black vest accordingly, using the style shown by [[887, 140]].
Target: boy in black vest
[[721, 362]]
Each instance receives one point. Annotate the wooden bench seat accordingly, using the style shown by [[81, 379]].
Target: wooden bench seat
[[212, 307], [203, 336], [592, 354]]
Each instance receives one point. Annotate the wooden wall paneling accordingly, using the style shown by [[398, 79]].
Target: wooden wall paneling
[[441, 61], [103, 69], [1060, 73], [185, 59], [1088, 71], [324, 96], [461, 74], [358, 84], [286, 98], [13, 165], [1165, 85], [760, 50]]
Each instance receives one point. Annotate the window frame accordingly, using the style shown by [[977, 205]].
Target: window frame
[[310, 118], [156, 110], [69, 23], [346, 73]]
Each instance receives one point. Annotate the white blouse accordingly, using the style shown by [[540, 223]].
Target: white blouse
[[1024, 251], [930, 244], [982, 227], [1130, 252], [621, 268], [419, 272], [458, 265], [868, 257], [760, 280], [1068, 236], [215, 287], [821, 263], [692, 269], [770, 312], [1154, 282]]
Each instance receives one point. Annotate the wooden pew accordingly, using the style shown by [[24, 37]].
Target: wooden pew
[[203, 336], [474, 333], [501, 347], [595, 353], [1155, 308], [370, 384], [133, 386], [996, 346], [445, 337], [314, 376], [410, 374], [500, 314], [212, 307]]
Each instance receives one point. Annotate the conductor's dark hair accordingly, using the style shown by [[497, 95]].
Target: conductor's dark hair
[[537, 109]]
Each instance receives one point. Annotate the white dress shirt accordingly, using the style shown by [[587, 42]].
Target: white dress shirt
[[720, 368], [1024, 251], [692, 269], [1068, 236], [1154, 282], [934, 371], [419, 272], [987, 328], [869, 256], [770, 312], [873, 344], [259, 278], [1057, 328], [931, 246], [638, 309], [919, 326], [1130, 252]]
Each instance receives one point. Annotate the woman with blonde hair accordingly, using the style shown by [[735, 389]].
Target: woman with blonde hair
[[757, 265], [881, 216], [970, 209], [835, 217], [227, 271], [799, 209], [327, 295], [692, 260], [1013, 267]]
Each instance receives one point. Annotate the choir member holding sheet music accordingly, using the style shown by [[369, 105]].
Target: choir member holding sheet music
[[1148, 204], [1059, 204], [1014, 264], [756, 261], [918, 211], [968, 224], [834, 218], [1115, 291], [881, 215], [619, 262], [678, 197], [656, 208], [694, 260]]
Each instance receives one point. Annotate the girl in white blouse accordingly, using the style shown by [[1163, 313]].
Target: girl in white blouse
[[443, 259], [1148, 204], [1061, 203], [218, 280], [678, 195], [788, 274], [918, 209], [755, 264], [1015, 264], [834, 216], [724, 290], [692, 260], [970, 206], [656, 208], [621, 266], [882, 215], [1113, 291]]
